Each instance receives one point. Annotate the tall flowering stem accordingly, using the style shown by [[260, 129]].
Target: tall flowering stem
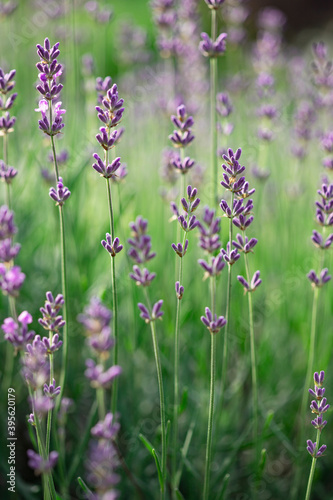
[[187, 222], [51, 124], [214, 325], [110, 112], [213, 47], [141, 252], [240, 214], [233, 181], [318, 406], [324, 218]]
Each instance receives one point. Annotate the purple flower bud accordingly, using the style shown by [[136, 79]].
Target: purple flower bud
[[213, 323], [255, 282], [179, 249], [213, 48], [40, 465], [142, 276], [52, 391], [179, 290], [113, 247], [95, 317], [61, 194], [320, 281], [7, 173], [11, 280], [100, 378], [155, 313], [106, 429]]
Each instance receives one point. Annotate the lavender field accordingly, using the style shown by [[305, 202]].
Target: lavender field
[[166, 213]]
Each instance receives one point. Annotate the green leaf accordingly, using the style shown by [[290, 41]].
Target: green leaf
[[152, 451], [159, 472], [84, 486], [225, 482], [262, 462]]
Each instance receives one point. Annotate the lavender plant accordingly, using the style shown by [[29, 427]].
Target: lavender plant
[[318, 406], [110, 113], [51, 123], [187, 222], [140, 252], [213, 48]]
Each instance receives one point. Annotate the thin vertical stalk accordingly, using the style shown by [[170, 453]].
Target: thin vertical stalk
[[5, 159], [309, 373], [253, 366], [49, 413], [211, 396], [176, 378], [161, 394], [213, 112], [63, 372], [227, 317], [313, 466], [114, 297]]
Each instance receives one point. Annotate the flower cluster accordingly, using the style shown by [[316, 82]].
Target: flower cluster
[[212, 48], [102, 458], [187, 220], [324, 218], [7, 173], [49, 88], [96, 321], [18, 333], [7, 84], [140, 252], [322, 74], [42, 465], [209, 231], [61, 194], [11, 277], [318, 406], [213, 323], [182, 136], [51, 320]]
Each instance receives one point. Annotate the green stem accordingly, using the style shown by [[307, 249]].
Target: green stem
[[227, 317], [114, 296], [161, 394], [55, 163], [100, 402], [253, 366], [63, 372], [213, 112], [176, 378], [312, 470], [49, 413], [162, 403], [307, 383], [211, 397]]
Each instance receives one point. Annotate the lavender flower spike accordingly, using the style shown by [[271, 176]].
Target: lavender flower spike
[[11, 280], [61, 194], [18, 335], [213, 323], [113, 247]]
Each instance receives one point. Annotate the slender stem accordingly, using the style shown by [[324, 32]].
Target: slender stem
[[211, 397], [162, 403], [161, 393], [213, 112], [176, 378], [253, 366], [55, 163], [114, 297], [309, 374], [312, 470], [227, 317], [5, 159], [49, 413], [63, 372]]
